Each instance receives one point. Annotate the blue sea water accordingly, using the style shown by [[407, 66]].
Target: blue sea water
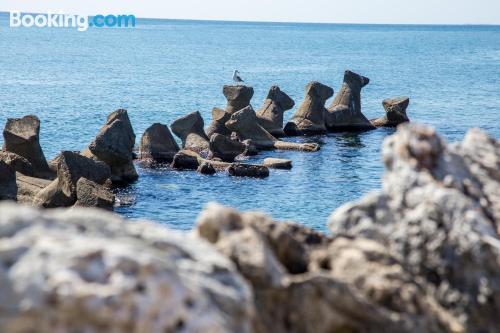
[[163, 69]]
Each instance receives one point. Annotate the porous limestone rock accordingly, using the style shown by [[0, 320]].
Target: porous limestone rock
[[238, 97], [277, 163], [22, 137], [395, 112], [344, 114], [114, 146], [270, 115], [190, 130], [16, 162], [84, 270], [225, 149], [91, 194], [158, 144], [309, 119], [245, 124], [8, 186]]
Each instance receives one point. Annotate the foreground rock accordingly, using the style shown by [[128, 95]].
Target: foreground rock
[[190, 130], [245, 124], [8, 186], [270, 115], [225, 149], [158, 144], [114, 146], [22, 137], [63, 192], [438, 214], [89, 271], [344, 114], [309, 118], [395, 112]]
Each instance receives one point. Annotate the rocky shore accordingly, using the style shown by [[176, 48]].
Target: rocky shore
[[420, 255]]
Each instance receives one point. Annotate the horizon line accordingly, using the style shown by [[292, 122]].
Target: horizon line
[[282, 22]]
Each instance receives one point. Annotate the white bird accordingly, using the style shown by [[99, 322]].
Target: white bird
[[236, 77]]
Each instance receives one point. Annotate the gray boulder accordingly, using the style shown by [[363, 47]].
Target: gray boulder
[[225, 149], [190, 130], [344, 114], [114, 145], [238, 97], [270, 115], [8, 186], [90, 271], [158, 144], [395, 112], [277, 163], [186, 160], [217, 126], [28, 187], [22, 137], [16, 162], [309, 119]]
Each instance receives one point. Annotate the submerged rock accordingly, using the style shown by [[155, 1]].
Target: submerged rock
[[158, 144], [277, 163], [248, 170], [309, 118], [270, 115], [245, 124], [395, 112], [224, 148], [114, 146], [190, 130], [22, 137], [344, 114], [206, 168], [90, 271], [8, 186], [16, 162]]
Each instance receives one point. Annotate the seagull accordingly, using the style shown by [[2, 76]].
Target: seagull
[[236, 77]]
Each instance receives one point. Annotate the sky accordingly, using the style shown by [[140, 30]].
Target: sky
[[320, 11]]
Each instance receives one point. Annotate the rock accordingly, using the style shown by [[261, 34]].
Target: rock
[[245, 124], [158, 144], [238, 97], [309, 118], [344, 114], [90, 271], [270, 115], [91, 194], [206, 168], [190, 130], [114, 146], [224, 148], [62, 192], [250, 148], [185, 160], [22, 137], [438, 216], [277, 163], [395, 112], [248, 170], [28, 187], [8, 186], [16, 162], [217, 126]]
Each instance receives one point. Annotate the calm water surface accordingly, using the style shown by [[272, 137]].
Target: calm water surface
[[164, 69]]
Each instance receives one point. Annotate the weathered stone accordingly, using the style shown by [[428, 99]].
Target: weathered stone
[[395, 112], [309, 118], [206, 168], [270, 115], [248, 170], [22, 137], [8, 186], [85, 270], [185, 160], [244, 122], [344, 114], [217, 126], [28, 187], [16, 162], [437, 214], [62, 192], [91, 194], [238, 97], [277, 163], [158, 144], [190, 130], [114, 145], [224, 148]]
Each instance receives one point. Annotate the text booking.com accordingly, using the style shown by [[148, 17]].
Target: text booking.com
[[79, 22]]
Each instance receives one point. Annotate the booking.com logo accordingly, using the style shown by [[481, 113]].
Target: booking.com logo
[[79, 22]]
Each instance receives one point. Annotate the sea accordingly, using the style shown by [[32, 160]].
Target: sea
[[163, 69]]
